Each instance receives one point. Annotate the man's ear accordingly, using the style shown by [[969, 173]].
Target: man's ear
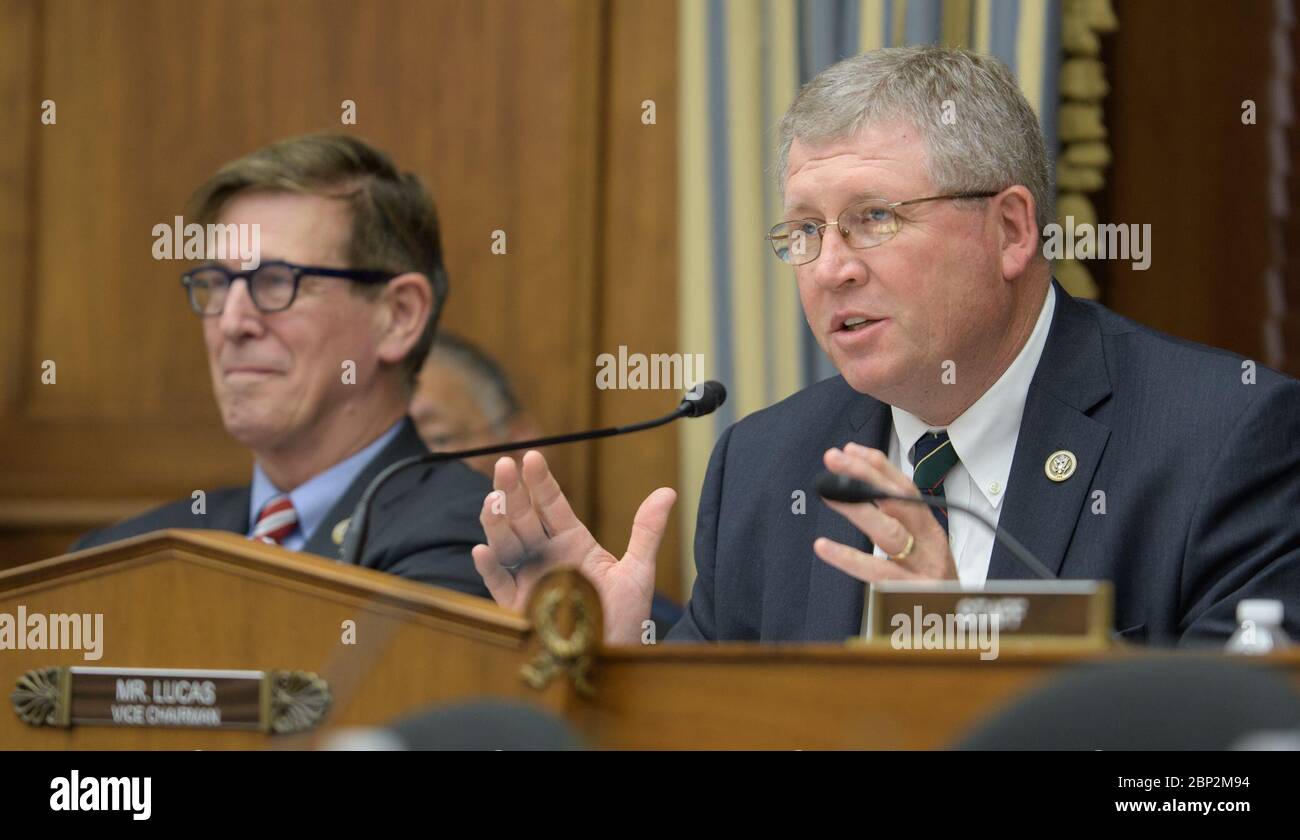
[[1017, 229], [407, 306]]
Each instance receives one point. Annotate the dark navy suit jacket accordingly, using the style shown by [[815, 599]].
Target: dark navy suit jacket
[[1200, 473], [422, 526]]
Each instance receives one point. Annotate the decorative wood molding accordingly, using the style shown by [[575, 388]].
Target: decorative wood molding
[[1282, 279], [565, 612], [1085, 154]]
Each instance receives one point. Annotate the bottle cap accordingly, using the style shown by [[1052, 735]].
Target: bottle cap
[[1260, 611]]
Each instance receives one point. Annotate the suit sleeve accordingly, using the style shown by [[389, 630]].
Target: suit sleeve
[[429, 537], [177, 514], [698, 623], [1244, 540]]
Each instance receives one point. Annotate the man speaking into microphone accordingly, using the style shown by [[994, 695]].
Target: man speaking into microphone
[[1109, 450]]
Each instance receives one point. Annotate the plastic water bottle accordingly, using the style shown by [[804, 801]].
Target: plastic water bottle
[[1259, 627]]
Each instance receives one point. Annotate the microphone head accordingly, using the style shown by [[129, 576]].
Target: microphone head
[[841, 488], [703, 399]]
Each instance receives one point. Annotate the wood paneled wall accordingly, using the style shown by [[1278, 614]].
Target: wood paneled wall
[[1187, 165], [519, 115]]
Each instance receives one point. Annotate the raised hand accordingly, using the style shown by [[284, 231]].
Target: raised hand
[[536, 530]]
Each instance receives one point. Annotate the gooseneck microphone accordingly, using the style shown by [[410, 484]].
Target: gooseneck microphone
[[703, 399], [842, 488]]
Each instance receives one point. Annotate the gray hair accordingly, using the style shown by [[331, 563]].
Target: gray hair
[[491, 387], [992, 141]]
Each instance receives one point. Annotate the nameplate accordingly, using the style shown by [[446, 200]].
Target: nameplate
[[170, 698], [949, 616]]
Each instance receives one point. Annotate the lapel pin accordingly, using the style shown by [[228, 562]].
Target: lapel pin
[[1060, 465], [340, 530]]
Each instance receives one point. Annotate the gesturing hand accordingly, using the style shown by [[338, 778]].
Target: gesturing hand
[[916, 542], [536, 530]]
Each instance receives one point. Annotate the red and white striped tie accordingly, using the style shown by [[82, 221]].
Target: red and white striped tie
[[276, 521]]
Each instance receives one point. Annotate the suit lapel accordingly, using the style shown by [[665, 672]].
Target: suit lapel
[[232, 515], [1070, 380], [835, 599], [405, 444]]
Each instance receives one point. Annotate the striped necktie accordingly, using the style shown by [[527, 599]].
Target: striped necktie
[[276, 521], [933, 457]]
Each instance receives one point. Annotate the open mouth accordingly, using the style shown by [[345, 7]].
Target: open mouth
[[857, 323]]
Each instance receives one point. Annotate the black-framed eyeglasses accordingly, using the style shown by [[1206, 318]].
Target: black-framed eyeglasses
[[273, 286], [863, 225]]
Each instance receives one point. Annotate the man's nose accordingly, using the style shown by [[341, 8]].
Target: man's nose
[[838, 264], [240, 317]]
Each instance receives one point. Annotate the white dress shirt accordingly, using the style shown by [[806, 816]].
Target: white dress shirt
[[984, 438]]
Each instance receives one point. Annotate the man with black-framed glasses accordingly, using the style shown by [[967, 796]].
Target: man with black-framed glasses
[[313, 355]]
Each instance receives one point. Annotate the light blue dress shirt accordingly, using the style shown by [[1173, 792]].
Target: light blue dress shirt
[[317, 495]]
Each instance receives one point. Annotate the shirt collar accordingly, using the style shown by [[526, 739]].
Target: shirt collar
[[317, 495], [984, 436]]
